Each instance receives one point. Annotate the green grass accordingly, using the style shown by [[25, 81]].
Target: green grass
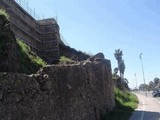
[[72, 53], [126, 102], [65, 60], [3, 13], [29, 61]]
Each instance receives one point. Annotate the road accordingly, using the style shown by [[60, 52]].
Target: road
[[148, 108]]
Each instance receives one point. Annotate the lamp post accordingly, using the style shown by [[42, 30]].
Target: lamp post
[[140, 57]]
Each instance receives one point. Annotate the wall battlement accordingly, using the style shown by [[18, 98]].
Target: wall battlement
[[41, 35]]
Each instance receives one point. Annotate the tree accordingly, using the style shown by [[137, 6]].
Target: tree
[[121, 66], [115, 77], [118, 54], [156, 80], [126, 83], [115, 70], [151, 85], [143, 87]]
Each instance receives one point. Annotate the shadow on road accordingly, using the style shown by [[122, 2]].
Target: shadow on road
[[147, 115]]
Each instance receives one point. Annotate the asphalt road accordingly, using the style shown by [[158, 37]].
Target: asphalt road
[[148, 108]]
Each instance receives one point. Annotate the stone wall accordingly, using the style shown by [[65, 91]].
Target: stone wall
[[82, 91], [9, 54]]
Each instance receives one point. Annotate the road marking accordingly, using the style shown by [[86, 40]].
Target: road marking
[[156, 100], [143, 110]]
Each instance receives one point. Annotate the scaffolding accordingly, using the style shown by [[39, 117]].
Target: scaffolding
[[25, 6], [41, 35], [63, 40]]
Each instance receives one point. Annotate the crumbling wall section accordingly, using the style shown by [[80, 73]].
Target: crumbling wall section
[[82, 91]]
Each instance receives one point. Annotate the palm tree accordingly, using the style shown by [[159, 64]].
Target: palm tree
[[121, 66], [118, 55]]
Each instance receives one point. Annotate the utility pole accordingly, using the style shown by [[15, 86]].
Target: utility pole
[[140, 57]]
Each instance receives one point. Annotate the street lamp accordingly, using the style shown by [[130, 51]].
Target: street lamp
[[140, 57]]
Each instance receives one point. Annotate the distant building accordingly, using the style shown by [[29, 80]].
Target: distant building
[[41, 35]]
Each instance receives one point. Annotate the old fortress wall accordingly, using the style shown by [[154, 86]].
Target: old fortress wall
[[41, 35], [78, 91], [82, 91]]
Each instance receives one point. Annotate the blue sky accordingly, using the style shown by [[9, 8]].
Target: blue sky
[[105, 25]]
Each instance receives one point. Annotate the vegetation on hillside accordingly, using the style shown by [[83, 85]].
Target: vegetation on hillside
[[126, 102], [29, 61], [3, 13], [65, 60], [72, 53]]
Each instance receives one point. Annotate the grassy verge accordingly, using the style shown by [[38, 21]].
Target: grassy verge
[[126, 102]]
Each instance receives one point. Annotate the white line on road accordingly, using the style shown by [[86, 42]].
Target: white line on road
[[156, 100], [143, 110]]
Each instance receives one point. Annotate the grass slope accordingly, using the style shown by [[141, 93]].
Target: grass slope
[[3, 13], [29, 61], [65, 60], [126, 102]]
